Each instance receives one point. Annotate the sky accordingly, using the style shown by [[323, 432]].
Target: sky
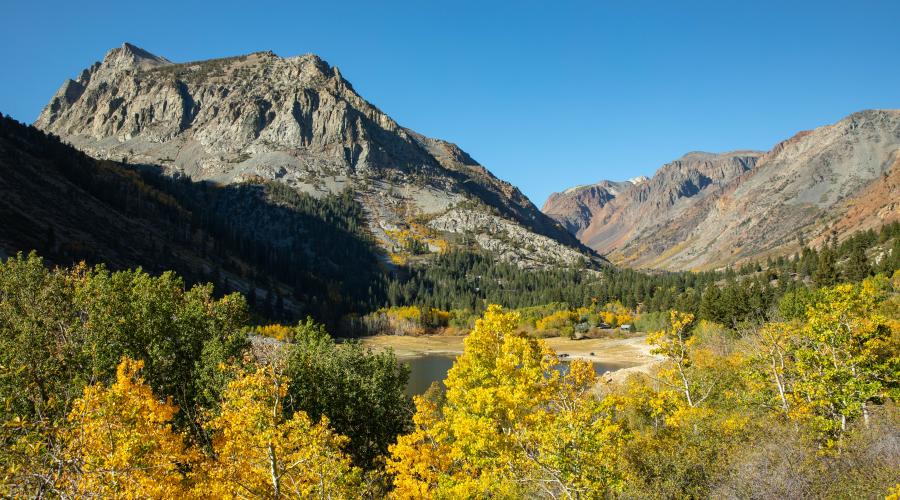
[[546, 95]]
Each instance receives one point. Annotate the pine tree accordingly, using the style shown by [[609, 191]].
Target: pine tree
[[826, 271], [892, 262], [711, 304], [857, 268]]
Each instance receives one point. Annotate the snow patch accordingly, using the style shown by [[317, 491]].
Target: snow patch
[[639, 179]]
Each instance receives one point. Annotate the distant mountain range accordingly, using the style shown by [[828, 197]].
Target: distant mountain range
[[265, 155], [296, 121], [708, 210]]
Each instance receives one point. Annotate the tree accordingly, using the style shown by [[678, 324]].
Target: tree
[[711, 305], [509, 425], [826, 271], [260, 452], [843, 358], [829, 365], [857, 267], [891, 262], [361, 392], [674, 343], [772, 363], [120, 442], [64, 329]]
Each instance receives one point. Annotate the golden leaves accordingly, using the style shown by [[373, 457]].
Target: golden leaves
[[260, 452], [510, 425], [121, 444]]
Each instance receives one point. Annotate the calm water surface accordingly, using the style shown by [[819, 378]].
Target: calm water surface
[[433, 368]]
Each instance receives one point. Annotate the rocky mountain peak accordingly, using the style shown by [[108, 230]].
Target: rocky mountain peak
[[639, 179], [294, 120], [706, 209], [130, 56]]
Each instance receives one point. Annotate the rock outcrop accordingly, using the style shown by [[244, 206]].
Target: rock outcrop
[[708, 210], [295, 120], [511, 242]]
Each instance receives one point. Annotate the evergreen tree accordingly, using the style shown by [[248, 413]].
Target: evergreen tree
[[891, 262], [857, 267], [711, 305], [826, 272]]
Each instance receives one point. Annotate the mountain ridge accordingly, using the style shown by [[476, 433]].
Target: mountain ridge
[[294, 120], [708, 210]]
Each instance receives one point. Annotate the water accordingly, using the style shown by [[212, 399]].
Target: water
[[434, 367], [423, 370]]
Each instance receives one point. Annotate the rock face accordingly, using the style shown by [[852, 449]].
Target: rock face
[[511, 242], [708, 210], [575, 207], [295, 120]]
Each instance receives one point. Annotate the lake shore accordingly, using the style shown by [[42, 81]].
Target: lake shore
[[630, 355]]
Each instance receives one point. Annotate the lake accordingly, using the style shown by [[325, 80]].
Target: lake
[[434, 367]]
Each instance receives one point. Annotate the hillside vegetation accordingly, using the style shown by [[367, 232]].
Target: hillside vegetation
[[125, 384]]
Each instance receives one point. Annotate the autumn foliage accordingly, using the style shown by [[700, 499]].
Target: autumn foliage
[[259, 452], [509, 425], [124, 385], [120, 444]]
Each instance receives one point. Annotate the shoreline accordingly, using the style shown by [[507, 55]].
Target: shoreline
[[630, 355]]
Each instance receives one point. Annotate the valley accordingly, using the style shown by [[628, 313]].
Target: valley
[[238, 278], [710, 210]]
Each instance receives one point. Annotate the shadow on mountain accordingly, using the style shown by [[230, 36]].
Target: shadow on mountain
[[291, 254]]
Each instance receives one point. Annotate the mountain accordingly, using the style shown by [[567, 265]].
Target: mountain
[[252, 238], [576, 206], [298, 122], [708, 210]]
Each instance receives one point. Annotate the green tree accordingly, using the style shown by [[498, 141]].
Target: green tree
[[826, 273], [843, 359], [64, 329], [711, 305], [360, 391], [891, 261], [857, 267]]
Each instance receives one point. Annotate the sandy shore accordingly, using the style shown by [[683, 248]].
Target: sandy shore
[[628, 355]]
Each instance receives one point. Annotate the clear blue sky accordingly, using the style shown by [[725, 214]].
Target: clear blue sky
[[545, 94]]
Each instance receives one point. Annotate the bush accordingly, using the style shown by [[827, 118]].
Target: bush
[[360, 391], [63, 329], [652, 322], [560, 321]]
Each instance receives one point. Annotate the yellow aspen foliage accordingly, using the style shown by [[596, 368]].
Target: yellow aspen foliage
[[675, 344], [691, 375], [772, 366], [442, 245], [260, 453], [510, 425], [120, 442], [397, 259], [275, 331], [893, 493], [845, 356], [623, 319], [439, 315], [608, 317], [556, 321], [409, 313]]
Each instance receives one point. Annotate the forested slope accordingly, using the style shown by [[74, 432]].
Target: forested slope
[[290, 253]]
